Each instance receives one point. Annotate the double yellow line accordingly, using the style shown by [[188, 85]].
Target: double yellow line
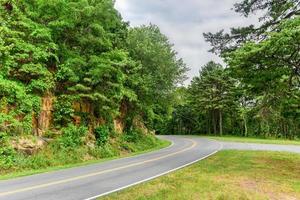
[[95, 173]]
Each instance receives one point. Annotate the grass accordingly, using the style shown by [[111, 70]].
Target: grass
[[228, 175], [255, 140], [47, 160]]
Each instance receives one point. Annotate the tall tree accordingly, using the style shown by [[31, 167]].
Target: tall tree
[[212, 92], [160, 71]]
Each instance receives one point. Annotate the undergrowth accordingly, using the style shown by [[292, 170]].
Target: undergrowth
[[73, 147]]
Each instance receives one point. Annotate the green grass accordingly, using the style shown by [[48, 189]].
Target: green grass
[[47, 160], [255, 140], [228, 175]]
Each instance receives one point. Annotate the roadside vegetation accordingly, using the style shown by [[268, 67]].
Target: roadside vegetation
[[78, 84], [73, 151], [226, 175]]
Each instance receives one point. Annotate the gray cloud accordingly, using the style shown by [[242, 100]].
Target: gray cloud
[[184, 22]]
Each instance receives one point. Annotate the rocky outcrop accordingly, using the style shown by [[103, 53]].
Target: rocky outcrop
[[119, 122], [119, 125], [28, 146], [45, 117], [43, 121], [84, 112]]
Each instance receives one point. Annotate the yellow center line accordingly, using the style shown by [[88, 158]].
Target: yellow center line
[[96, 173]]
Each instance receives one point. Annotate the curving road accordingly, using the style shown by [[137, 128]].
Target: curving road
[[90, 182]]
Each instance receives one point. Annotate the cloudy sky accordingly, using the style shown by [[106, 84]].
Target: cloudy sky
[[184, 22]]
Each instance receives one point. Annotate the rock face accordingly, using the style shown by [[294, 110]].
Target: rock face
[[42, 122], [82, 107], [28, 146], [119, 125], [119, 122], [45, 117]]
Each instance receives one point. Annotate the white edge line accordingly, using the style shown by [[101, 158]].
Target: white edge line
[[156, 176]]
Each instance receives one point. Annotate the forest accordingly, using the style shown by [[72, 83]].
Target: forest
[[257, 91], [75, 77]]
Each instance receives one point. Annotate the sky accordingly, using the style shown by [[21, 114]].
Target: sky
[[184, 22]]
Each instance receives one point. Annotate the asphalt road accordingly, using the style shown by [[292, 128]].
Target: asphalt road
[[92, 181], [261, 147]]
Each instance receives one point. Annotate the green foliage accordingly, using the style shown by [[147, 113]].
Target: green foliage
[[7, 153], [13, 95], [105, 151], [133, 135], [258, 93], [270, 14], [63, 110], [101, 135], [82, 51], [136, 140], [97, 69], [53, 155], [159, 75], [211, 97], [269, 72], [72, 136]]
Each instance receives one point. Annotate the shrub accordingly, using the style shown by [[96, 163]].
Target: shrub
[[101, 135], [7, 153], [72, 136], [133, 135], [136, 140], [50, 134], [105, 151], [129, 147]]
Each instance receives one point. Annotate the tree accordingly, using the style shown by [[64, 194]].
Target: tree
[[159, 74], [274, 11], [84, 57], [212, 92], [265, 61], [271, 69], [26, 52]]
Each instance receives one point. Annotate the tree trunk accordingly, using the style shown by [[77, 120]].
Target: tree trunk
[[208, 123], [245, 126], [180, 128], [214, 122], [220, 122]]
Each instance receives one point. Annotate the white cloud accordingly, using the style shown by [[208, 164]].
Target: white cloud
[[184, 22]]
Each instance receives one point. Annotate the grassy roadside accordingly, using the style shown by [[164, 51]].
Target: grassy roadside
[[226, 175], [19, 172], [255, 140]]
